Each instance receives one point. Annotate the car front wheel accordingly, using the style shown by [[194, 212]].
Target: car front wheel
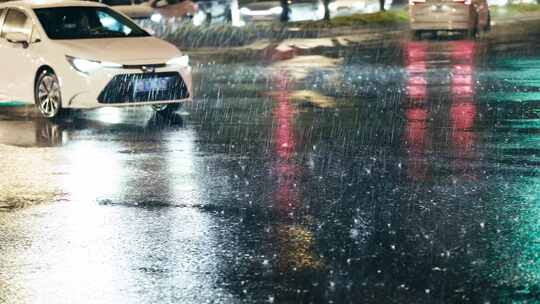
[[48, 95]]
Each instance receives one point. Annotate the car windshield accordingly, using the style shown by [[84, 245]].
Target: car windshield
[[86, 23]]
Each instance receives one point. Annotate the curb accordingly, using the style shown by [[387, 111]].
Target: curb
[[11, 104]]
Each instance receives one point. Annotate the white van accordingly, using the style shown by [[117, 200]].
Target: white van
[[467, 16]]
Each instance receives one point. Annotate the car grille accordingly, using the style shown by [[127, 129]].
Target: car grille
[[132, 88]]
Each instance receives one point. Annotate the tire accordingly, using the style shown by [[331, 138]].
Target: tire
[[48, 94], [167, 108]]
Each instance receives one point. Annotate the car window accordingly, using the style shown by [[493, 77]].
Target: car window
[[86, 23], [112, 24], [16, 21]]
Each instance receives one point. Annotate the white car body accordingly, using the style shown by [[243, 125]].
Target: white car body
[[134, 60]]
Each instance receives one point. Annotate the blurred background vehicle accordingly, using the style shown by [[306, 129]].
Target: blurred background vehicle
[[293, 10], [217, 11], [261, 11], [156, 10], [339, 8], [134, 9], [468, 16], [173, 9]]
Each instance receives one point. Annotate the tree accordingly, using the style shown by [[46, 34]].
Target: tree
[[381, 5]]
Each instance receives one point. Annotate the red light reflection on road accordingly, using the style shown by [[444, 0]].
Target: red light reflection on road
[[416, 129], [295, 242], [285, 143], [461, 113], [463, 109], [462, 81], [463, 68], [416, 67], [463, 50], [415, 136], [283, 114]]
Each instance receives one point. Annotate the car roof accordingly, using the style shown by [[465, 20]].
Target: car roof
[[31, 4]]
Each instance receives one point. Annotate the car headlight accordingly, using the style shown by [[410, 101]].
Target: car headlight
[[182, 61], [86, 66]]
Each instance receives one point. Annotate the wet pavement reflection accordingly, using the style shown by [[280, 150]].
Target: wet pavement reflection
[[403, 174]]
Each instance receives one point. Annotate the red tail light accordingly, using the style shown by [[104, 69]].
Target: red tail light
[[413, 2], [466, 2]]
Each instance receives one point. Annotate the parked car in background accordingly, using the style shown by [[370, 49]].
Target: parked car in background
[[468, 16], [217, 11], [78, 54], [156, 10], [340, 8], [173, 8], [261, 11], [131, 8], [299, 10]]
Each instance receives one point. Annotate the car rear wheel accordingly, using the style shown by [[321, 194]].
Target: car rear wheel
[[48, 96], [166, 108]]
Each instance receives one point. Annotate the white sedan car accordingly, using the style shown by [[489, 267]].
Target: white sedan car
[[75, 54]]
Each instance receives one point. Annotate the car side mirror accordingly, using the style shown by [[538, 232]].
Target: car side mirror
[[18, 38]]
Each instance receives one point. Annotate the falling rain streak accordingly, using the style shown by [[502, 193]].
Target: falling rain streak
[[391, 171]]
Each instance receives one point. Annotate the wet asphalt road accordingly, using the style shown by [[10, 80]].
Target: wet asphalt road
[[405, 172]]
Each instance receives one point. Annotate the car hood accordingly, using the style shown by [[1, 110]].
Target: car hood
[[141, 50]]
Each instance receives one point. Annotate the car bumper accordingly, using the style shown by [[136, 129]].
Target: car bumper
[[100, 88]]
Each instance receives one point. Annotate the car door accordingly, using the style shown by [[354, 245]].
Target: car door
[[17, 60]]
